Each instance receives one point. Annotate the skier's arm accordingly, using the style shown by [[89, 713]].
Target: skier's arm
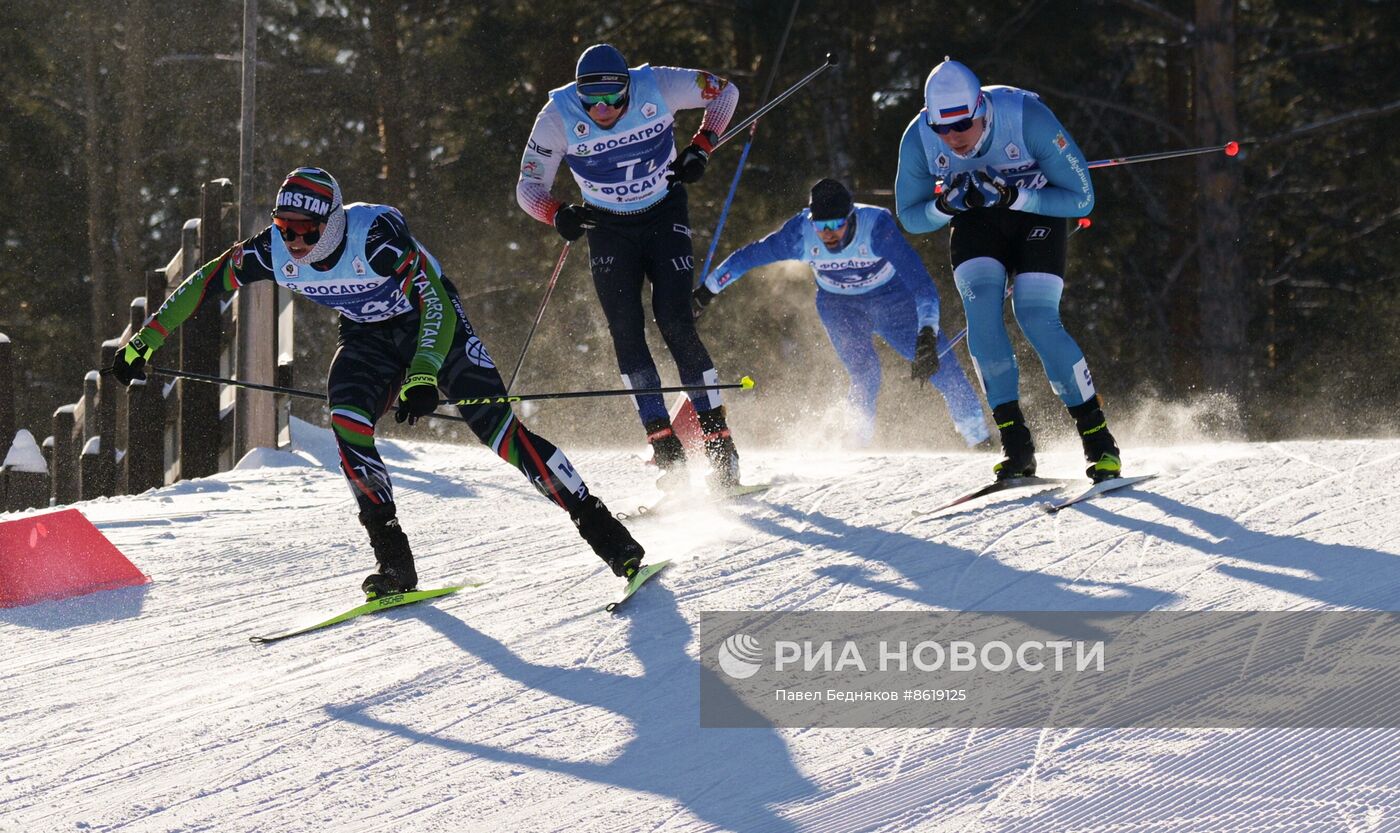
[[394, 253], [689, 89], [544, 150], [783, 244], [909, 269], [1068, 192], [915, 184], [244, 262]]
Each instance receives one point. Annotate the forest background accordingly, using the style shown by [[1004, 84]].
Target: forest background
[[1256, 294]]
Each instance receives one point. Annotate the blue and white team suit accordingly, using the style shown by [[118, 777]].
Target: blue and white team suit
[[1028, 146], [873, 283], [643, 227], [1027, 176]]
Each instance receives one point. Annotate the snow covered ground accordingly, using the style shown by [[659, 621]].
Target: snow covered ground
[[519, 706]]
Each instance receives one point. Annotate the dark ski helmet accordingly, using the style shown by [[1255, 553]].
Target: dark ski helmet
[[830, 200]]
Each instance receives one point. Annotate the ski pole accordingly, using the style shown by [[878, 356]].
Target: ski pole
[[744, 383], [748, 145], [548, 291], [219, 380], [724, 212], [1083, 223], [954, 343], [831, 61], [1230, 149]]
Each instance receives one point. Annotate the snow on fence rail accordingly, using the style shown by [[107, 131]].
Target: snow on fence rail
[[120, 440]]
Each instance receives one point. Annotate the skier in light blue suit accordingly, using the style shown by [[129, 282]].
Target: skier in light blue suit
[[869, 282], [996, 164]]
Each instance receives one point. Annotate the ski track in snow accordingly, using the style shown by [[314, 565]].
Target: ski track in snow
[[518, 705]]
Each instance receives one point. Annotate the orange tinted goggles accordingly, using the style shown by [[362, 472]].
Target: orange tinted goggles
[[308, 230]]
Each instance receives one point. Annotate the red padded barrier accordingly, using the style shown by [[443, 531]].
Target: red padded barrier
[[58, 555]]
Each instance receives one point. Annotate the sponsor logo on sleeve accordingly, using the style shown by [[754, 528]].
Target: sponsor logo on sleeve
[[530, 169], [476, 353], [534, 147], [710, 86], [1060, 141], [724, 279]]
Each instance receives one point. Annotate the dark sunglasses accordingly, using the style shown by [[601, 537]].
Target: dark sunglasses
[[308, 230], [959, 126], [611, 99], [831, 225]]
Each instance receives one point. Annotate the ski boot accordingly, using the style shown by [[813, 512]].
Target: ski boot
[[391, 551], [1018, 452], [608, 537], [719, 448], [668, 454], [1099, 448]]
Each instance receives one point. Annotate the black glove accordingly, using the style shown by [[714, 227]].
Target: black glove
[[952, 199], [990, 190], [690, 165], [571, 221], [925, 355], [417, 398], [699, 299], [130, 361]]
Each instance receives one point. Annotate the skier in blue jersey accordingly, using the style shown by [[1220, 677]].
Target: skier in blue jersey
[[870, 282], [996, 164], [404, 342], [614, 127]]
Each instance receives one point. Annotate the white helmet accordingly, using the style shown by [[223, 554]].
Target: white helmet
[[952, 93]]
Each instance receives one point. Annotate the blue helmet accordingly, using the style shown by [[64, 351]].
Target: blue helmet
[[952, 93], [602, 71]]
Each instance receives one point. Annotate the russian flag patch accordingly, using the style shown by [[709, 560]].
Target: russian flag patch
[[950, 112]]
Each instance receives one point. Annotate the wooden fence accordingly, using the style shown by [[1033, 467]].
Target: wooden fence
[[119, 440]]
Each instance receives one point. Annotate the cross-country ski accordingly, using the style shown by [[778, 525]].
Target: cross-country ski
[[373, 606], [1096, 489]]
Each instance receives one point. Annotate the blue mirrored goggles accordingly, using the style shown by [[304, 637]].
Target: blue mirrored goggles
[[611, 99], [959, 126], [831, 225]]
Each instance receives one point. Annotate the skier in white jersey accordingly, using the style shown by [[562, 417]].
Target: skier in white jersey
[[1010, 175], [614, 128], [870, 282]]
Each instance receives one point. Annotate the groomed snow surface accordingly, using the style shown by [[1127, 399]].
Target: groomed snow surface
[[519, 706]]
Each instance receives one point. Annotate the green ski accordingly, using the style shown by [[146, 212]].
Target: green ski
[[637, 581], [381, 603]]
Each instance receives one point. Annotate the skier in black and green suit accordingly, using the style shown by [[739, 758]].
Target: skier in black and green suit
[[404, 340]]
